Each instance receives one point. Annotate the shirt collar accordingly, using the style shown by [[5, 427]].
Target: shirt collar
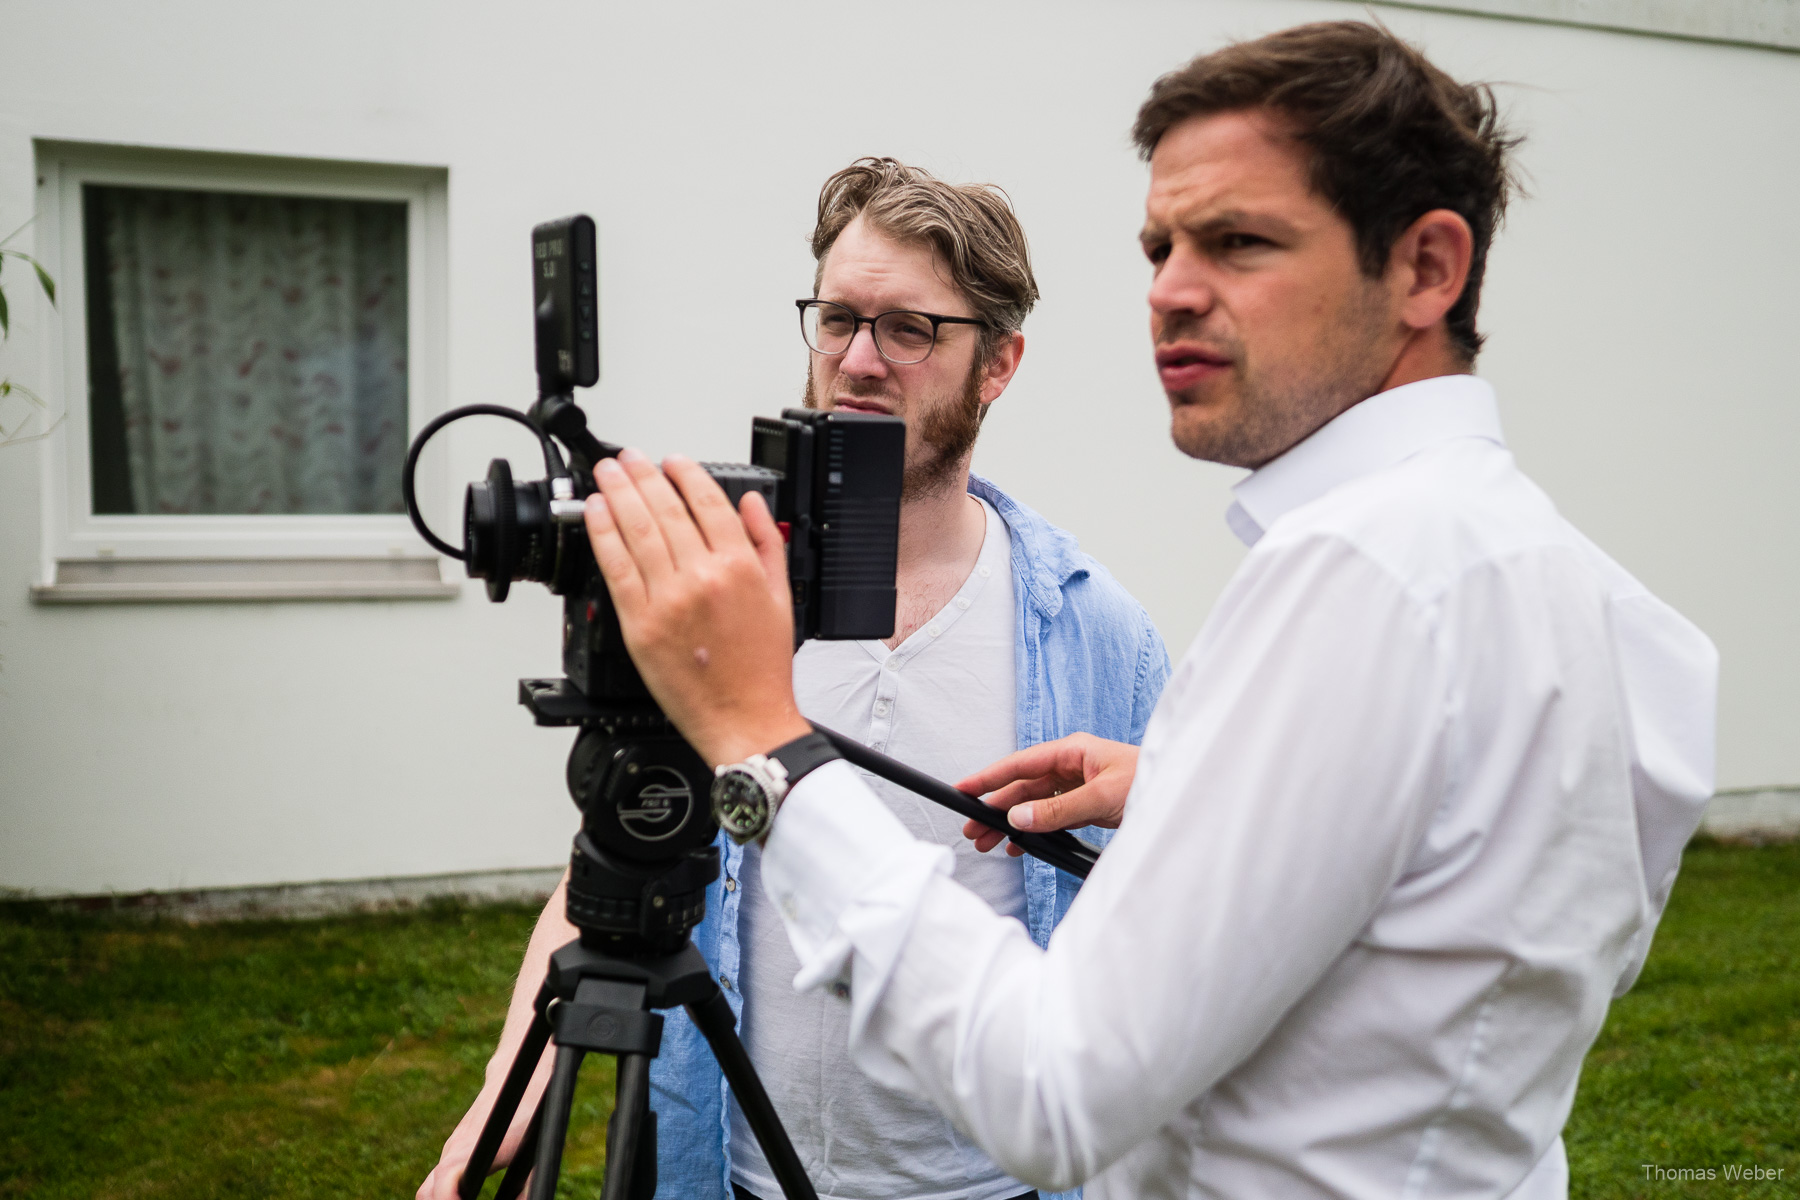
[[1044, 558], [1383, 430]]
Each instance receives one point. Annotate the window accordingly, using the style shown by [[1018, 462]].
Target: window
[[246, 345]]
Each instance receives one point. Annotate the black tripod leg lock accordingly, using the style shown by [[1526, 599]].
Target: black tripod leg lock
[[609, 1030]]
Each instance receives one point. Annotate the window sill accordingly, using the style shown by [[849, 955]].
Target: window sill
[[179, 580]]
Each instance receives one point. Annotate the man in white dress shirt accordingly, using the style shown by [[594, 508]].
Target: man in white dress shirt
[[1407, 814]]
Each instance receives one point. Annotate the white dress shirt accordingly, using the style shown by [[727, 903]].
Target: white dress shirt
[[941, 701], [1403, 824]]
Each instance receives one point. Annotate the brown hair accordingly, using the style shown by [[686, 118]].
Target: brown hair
[[1392, 136], [971, 227]]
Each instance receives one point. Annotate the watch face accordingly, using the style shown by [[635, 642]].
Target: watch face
[[740, 805]]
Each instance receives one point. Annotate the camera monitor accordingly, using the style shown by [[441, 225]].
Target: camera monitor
[[567, 299]]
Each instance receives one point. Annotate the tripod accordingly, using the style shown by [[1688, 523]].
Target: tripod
[[595, 1002], [601, 992]]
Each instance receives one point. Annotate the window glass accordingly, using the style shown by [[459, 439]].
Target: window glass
[[246, 353]]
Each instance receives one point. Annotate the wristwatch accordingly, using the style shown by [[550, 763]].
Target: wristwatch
[[745, 795]]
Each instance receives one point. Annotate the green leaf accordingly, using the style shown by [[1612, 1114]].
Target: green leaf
[[5, 325], [44, 278]]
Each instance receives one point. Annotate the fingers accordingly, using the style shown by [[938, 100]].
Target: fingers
[[1099, 801], [717, 521], [1059, 810], [637, 526], [1034, 804], [1077, 780], [617, 566], [771, 547], [1023, 791], [668, 506], [1061, 757], [726, 528], [985, 839], [1018, 779], [441, 1184]]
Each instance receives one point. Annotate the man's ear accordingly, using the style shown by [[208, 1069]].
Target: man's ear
[[1002, 366], [1429, 266]]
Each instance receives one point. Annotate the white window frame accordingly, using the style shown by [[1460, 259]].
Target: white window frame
[[73, 532]]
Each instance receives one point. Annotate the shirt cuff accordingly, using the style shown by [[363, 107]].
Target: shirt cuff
[[846, 877]]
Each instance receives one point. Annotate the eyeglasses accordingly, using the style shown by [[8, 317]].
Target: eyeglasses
[[901, 337]]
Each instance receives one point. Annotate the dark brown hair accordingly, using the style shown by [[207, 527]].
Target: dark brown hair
[[971, 226], [1392, 137]]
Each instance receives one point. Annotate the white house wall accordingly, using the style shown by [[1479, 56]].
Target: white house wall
[[1641, 305]]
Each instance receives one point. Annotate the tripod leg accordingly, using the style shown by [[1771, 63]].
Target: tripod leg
[[554, 1122], [713, 1016], [631, 1105], [513, 1182], [505, 1105]]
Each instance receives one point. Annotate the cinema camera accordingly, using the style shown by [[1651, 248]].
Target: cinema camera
[[832, 481], [646, 850], [645, 853]]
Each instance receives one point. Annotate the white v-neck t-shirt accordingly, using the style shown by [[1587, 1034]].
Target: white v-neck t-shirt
[[942, 702]]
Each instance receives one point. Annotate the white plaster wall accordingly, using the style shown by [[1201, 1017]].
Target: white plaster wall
[[1642, 307]]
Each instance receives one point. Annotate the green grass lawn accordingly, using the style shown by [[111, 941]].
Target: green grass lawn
[[331, 1058], [1699, 1064]]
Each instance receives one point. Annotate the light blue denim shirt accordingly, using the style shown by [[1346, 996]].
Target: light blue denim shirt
[[1087, 660]]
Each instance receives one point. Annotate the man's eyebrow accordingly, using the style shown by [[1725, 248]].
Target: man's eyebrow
[[1156, 231]]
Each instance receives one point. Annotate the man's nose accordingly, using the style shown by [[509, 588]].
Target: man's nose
[[862, 359], [1183, 284]]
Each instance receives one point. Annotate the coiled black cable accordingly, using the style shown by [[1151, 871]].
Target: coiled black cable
[[553, 463]]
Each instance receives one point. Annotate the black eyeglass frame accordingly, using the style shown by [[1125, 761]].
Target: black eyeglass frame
[[936, 322]]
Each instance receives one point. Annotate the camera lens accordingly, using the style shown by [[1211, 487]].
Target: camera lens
[[507, 530]]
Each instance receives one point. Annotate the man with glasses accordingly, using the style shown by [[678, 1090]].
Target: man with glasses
[[1006, 635]]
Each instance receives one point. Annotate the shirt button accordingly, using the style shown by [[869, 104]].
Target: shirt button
[[893, 664], [881, 708], [730, 884], [725, 982], [934, 630], [983, 572], [962, 602]]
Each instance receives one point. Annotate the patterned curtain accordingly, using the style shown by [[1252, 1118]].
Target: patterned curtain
[[261, 349]]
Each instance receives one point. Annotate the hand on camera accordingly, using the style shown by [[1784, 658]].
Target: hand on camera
[[703, 601], [1074, 781]]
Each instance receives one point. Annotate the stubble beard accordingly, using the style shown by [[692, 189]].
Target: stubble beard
[[942, 431], [1281, 407]]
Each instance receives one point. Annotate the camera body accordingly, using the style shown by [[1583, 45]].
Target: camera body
[[832, 480]]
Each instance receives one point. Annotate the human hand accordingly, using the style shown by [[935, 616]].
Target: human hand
[[1074, 781], [703, 602], [446, 1177]]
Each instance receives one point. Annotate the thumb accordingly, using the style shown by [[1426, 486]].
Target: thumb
[[1052, 812]]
